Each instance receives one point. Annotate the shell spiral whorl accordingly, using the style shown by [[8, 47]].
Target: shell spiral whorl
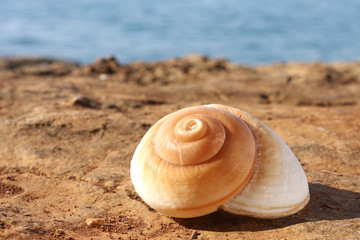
[[192, 139], [190, 129], [192, 161]]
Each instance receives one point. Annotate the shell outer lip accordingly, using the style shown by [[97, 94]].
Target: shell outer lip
[[270, 213], [269, 207]]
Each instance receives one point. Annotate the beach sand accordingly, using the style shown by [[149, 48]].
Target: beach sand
[[69, 133]]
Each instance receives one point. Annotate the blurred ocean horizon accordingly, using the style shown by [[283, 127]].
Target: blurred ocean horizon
[[258, 32]]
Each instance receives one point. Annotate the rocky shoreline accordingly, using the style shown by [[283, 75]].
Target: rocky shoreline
[[69, 132]]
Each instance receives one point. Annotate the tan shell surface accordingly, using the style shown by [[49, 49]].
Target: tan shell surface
[[279, 186], [194, 190]]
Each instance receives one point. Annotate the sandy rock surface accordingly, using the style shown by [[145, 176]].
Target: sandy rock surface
[[69, 132]]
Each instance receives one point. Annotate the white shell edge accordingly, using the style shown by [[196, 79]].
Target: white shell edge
[[278, 187]]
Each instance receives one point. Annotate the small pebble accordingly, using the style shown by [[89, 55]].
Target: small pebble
[[95, 222], [85, 102], [110, 184], [104, 77]]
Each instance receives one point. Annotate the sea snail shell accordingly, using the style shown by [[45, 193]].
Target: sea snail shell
[[199, 159]]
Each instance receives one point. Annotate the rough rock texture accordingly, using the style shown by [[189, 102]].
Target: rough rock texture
[[69, 132]]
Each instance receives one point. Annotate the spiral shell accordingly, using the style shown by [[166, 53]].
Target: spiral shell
[[198, 159]]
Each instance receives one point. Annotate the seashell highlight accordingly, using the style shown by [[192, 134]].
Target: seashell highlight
[[199, 159]]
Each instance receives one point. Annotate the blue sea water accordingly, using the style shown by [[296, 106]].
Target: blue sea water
[[250, 32]]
